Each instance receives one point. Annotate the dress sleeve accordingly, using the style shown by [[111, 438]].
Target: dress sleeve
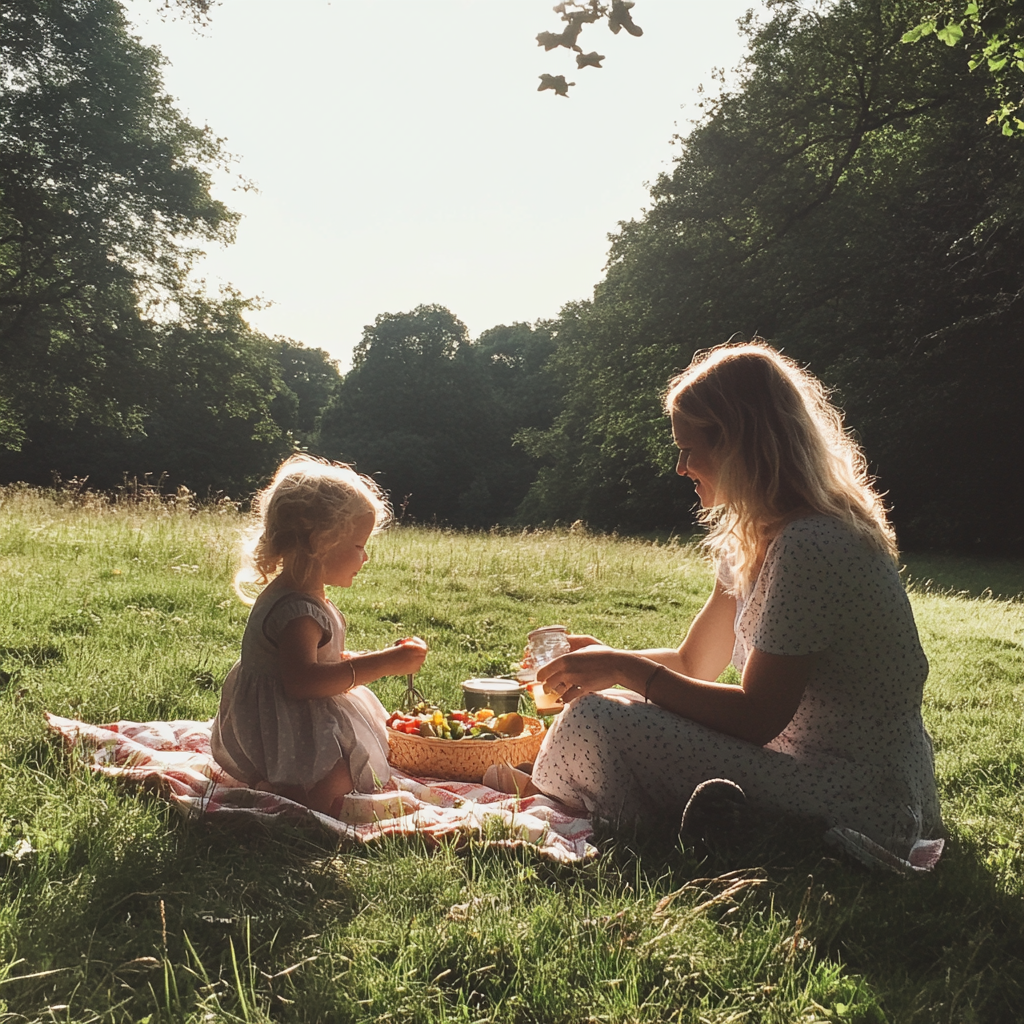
[[801, 594], [296, 606]]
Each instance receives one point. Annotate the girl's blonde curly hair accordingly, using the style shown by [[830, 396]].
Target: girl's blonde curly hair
[[306, 509], [779, 446]]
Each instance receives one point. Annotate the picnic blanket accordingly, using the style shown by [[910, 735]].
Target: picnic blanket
[[175, 759]]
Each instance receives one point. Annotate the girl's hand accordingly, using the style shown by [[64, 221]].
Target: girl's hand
[[414, 641], [408, 655], [591, 668]]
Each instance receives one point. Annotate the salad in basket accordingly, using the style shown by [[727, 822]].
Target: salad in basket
[[430, 721]]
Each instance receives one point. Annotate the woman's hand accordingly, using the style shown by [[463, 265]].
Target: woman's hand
[[580, 640], [590, 668]]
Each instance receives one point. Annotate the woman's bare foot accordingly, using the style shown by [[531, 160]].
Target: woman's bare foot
[[506, 779]]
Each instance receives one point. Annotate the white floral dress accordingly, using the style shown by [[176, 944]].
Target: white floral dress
[[855, 755], [261, 735]]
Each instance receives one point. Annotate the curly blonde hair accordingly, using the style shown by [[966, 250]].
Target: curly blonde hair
[[309, 506], [779, 446]]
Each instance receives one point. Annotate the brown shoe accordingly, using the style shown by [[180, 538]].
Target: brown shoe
[[715, 814]]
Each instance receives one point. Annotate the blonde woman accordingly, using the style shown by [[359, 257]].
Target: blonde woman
[[807, 605]]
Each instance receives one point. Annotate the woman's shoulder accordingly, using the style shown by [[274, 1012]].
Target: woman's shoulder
[[816, 538], [819, 528], [828, 543]]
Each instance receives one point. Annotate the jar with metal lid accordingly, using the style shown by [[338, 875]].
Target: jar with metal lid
[[543, 645]]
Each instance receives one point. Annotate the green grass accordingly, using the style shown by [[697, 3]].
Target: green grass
[[124, 912]]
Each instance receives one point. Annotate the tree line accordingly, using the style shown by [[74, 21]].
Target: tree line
[[845, 200]]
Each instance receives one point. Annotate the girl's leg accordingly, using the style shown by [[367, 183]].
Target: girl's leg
[[331, 789], [323, 796]]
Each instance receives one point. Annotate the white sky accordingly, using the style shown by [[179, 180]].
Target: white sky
[[403, 155]]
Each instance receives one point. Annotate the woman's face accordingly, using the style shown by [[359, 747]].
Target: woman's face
[[695, 460]]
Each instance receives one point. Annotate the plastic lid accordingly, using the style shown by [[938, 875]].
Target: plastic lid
[[492, 686]]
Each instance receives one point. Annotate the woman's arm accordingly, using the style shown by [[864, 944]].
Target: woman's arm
[[707, 648], [757, 711], [305, 678]]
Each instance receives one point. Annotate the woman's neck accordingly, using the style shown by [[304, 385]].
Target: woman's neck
[[800, 512]]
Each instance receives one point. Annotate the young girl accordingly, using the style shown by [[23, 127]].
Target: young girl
[[295, 715]]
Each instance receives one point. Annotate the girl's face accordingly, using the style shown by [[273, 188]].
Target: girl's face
[[348, 554], [695, 460]]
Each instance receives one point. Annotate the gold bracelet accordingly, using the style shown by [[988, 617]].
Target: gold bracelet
[[647, 685], [352, 666]]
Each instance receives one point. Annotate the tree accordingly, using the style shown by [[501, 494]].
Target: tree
[[993, 35], [848, 203], [113, 363], [218, 415], [618, 15], [104, 194], [434, 415], [310, 379]]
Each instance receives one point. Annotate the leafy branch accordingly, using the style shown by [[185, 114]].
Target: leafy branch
[[576, 16], [994, 36]]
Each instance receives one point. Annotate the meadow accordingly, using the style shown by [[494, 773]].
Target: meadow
[[112, 908]]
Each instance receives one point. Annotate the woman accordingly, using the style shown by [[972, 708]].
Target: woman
[[807, 605]]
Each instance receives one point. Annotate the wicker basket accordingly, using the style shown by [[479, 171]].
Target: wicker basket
[[462, 760]]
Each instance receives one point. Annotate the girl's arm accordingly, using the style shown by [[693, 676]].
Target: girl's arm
[[304, 678], [757, 711]]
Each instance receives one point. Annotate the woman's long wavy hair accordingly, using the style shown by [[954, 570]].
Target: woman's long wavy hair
[[779, 446], [309, 506]]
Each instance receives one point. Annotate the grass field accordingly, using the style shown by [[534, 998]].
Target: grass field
[[114, 909]]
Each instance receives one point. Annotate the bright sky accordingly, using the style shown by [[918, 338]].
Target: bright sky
[[403, 155]]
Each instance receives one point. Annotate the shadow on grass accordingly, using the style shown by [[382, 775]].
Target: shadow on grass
[[945, 947], [974, 577], [116, 886]]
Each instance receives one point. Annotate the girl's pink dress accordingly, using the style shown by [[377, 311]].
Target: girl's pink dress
[[261, 735]]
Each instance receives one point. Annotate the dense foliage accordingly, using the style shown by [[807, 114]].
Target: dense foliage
[[846, 200], [848, 203], [435, 416], [112, 362], [993, 35]]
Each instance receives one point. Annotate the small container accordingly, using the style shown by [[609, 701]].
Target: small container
[[500, 695], [543, 645]]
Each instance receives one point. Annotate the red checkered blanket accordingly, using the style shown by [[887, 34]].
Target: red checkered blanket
[[175, 758]]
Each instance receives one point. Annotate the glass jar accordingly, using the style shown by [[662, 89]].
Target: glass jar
[[543, 645]]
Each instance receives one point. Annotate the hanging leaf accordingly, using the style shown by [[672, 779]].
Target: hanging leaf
[[556, 82]]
